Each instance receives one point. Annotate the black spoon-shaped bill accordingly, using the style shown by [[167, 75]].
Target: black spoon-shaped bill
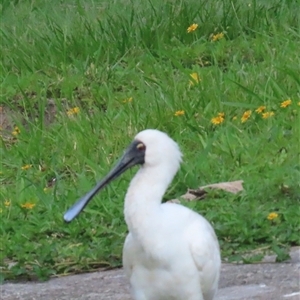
[[134, 155]]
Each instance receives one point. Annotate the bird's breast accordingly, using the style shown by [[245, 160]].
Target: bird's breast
[[156, 272]]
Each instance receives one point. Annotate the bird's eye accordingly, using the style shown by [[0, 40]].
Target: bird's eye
[[141, 147]]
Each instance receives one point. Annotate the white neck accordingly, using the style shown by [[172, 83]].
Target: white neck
[[143, 198]]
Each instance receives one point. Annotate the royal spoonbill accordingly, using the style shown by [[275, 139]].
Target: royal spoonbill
[[171, 252]]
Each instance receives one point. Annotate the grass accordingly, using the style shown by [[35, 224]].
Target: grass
[[126, 66]]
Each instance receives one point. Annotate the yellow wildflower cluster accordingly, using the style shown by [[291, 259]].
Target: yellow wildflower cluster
[[219, 119], [217, 36], [16, 131], [128, 100], [28, 205], [265, 115], [272, 216], [286, 103], [73, 111], [192, 28], [179, 113], [6, 203], [246, 116]]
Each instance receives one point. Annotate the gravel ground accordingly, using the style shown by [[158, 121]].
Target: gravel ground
[[264, 281]]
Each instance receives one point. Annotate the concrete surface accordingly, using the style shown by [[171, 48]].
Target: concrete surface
[[265, 281]]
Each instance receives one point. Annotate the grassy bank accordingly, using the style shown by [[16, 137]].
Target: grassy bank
[[79, 80]]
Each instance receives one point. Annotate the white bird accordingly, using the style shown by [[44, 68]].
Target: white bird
[[171, 252]]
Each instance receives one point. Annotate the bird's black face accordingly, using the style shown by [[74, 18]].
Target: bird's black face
[[134, 155]]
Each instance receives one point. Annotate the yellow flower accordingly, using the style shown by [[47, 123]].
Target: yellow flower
[[272, 216], [267, 114], [216, 37], [179, 113], [234, 118], [127, 100], [299, 103], [246, 116], [192, 28], [26, 167], [260, 109], [286, 103], [28, 205], [73, 111], [16, 131], [7, 203], [196, 79], [217, 120]]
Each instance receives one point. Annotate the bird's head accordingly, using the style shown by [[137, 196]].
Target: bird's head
[[159, 150], [150, 148]]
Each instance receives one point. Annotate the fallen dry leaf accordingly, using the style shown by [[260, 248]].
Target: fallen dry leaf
[[198, 194], [232, 187]]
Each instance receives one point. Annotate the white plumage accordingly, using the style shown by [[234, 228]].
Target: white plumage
[[171, 252]]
